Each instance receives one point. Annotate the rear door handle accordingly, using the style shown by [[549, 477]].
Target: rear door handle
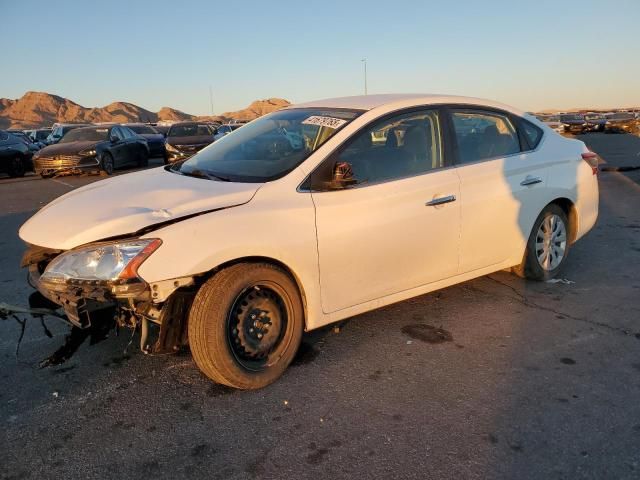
[[530, 181], [441, 200]]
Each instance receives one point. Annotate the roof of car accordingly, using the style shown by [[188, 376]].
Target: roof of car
[[369, 102]]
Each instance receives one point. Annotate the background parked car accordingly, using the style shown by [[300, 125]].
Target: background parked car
[[163, 129], [15, 157], [226, 129], [621, 122], [573, 123], [155, 139], [187, 138], [60, 130], [39, 135], [595, 122], [93, 148], [33, 146], [552, 121]]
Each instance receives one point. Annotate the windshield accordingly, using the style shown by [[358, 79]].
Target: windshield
[[143, 129], [594, 117], [568, 118], [269, 147], [191, 130], [622, 116], [85, 135]]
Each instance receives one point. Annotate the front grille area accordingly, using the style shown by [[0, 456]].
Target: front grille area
[[190, 148], [59, 161]]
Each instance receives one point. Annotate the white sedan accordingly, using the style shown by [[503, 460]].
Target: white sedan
[[309, 215]]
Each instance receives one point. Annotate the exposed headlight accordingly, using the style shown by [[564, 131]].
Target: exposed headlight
[[100, 264], [87, 153], [171, 148]]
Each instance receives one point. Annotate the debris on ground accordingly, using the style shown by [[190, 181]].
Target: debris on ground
[[561, 280]]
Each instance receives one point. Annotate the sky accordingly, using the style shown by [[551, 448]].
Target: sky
[[533, 54]]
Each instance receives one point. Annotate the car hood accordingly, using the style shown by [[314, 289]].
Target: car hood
[[128, 203], [70, 148], [193, 140]]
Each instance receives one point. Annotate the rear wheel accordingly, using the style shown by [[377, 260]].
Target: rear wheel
[[107, 163], [548, 245], [245, 325], [16, 167]]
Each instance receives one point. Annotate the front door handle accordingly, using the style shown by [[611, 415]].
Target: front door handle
[[441, 200], [530, 181]]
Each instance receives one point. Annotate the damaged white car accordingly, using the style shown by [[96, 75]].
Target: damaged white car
[[307, 216]]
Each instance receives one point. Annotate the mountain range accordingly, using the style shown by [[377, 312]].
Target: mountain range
[[41, 109]]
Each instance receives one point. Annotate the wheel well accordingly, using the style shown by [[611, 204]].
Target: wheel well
[[570, 211], [273, 261]]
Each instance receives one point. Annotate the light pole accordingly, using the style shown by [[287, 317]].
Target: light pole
[[211, 99], [364, 62]]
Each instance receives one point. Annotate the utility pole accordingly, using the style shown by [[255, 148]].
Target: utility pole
[[211, 99], [364, 62]]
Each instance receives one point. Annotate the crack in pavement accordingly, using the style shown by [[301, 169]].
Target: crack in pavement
[[528, 303]]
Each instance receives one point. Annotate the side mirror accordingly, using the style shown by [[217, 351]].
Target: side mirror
[[113, 139], [342, 176]]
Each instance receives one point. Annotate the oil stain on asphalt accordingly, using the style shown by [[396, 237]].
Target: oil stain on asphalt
[[427, 333]]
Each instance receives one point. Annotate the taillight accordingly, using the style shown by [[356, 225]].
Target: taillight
[[592, 159]]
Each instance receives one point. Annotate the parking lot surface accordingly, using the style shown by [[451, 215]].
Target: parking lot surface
[[515, 379]]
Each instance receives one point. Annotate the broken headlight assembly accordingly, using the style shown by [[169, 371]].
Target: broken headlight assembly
[[113, 265]]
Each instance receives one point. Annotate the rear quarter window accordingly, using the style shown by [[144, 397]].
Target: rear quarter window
[[532, 134]]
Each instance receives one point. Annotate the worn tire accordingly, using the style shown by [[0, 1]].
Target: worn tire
[[210, 325], [17, 168], [530, 267], [106, 163]]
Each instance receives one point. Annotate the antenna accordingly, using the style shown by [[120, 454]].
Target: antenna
[[211, 99]]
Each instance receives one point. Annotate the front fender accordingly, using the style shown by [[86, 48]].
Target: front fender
[[280, 226]]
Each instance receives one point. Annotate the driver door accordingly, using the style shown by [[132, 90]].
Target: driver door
[[398, 226]]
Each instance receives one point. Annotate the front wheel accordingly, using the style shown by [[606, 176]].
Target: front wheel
[[16, 167], [107, 163], [143, 158], [548, 245], [245, 325]]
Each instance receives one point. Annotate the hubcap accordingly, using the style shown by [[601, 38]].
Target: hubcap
[[256, 327], [551, 242]]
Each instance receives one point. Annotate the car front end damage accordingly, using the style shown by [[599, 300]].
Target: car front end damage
[[98, 287]]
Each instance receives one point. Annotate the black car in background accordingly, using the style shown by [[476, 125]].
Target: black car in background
[[595, 122], [33, 146], [60, 130], [621, 122], [573, 123], [15, 157], [187, 138], [155, 139], [91, 149]]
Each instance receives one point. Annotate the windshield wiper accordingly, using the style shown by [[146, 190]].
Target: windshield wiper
[[202, 174]]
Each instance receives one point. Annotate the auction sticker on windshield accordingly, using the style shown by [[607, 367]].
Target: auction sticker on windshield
[[329, 122]]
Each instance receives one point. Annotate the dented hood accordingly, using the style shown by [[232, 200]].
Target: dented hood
[[126, 204]]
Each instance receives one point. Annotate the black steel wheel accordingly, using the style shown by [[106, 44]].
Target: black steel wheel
[[245, 325]]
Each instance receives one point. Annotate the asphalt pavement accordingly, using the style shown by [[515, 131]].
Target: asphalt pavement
[[496, 378]]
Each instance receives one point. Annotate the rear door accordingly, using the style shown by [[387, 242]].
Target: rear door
[[397, 227], [502, 185]]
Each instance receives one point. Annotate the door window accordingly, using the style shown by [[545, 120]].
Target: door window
[[401, 146], [116, 132], [483, 135]]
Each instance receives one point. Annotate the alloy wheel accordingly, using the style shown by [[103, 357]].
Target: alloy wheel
[[551, 242]]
